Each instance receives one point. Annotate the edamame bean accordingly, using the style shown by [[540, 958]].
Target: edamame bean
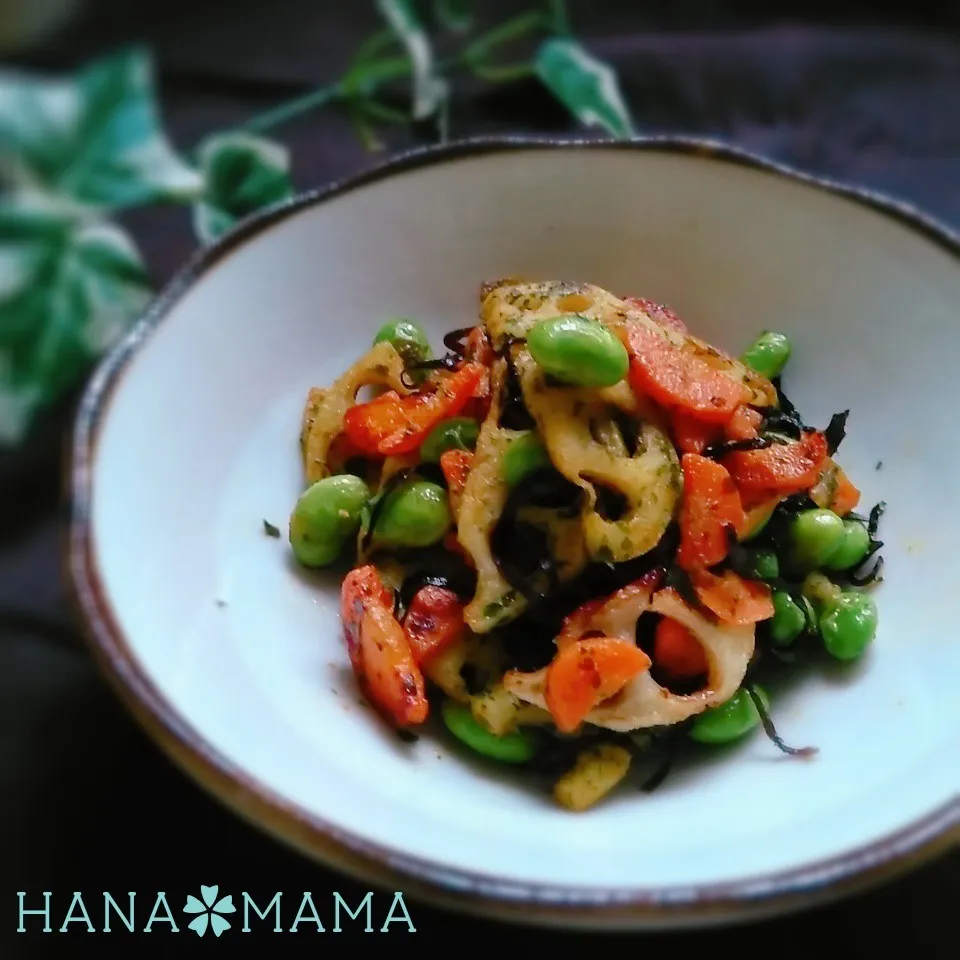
[[815, 536], [325, 516], [578, 351], [789, 619], [458, 433], [848, 625], [765, 565], [524, 455], [408, 340], [517, 746], [854, 546], [730, 720], [768, 354], [415, 514]]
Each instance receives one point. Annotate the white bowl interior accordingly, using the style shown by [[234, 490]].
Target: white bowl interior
[[199, 445]]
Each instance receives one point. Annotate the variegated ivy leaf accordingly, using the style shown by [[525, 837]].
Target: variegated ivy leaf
[[455, 15], [587, 87], [68, 290], [430, 90], [241, 174], [93, 141]]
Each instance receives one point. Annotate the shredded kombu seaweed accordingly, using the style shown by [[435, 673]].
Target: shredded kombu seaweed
[[836, 431], [514, 414], [717, 450], [771, 731], [456, 340]]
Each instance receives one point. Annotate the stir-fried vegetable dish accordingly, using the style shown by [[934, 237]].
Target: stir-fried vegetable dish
[[581, 537]]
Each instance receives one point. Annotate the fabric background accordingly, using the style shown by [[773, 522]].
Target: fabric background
[[86, 801]]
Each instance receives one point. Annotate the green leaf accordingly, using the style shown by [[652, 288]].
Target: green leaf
[[430, 90], [455, 15], [587, 87], [241, 173], [94, 140], [68, 290]]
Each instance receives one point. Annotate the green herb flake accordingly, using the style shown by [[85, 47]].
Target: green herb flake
[[270, 530]]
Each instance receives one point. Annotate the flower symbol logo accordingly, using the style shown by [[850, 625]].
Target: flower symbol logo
[[209, 909]]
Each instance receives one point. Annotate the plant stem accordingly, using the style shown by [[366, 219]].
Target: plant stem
[[367, 81], [365, 78], [293, 108], [558, 13], [506, 73]]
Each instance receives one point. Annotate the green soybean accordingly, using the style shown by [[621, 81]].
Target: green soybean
[[815, 536], [789, 619], [730, 720], [415, 514], [854, 546], [407, 338], [848, 625], [325, 516], [768, 354], [518, 746], [765, 565], [578, 351], [524, 455], [458, 433]]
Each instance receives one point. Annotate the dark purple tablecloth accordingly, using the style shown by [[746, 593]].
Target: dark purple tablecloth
[[86, 801]]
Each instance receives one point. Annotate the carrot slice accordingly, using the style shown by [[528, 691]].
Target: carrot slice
[[782, 468], [744, 424], [846, 496], [586, 673], [677, 652], [710, 510], [675, 379], [390, 425], [361, 588], [382, 660], [693, 435], [433, 623], [731, 598], [455, 465]]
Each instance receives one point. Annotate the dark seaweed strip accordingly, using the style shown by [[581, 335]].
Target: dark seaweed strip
[[862, 578], [777, 422], [455, 340], [875, 514], [836, 431], [514, 414], [785, 405], [717, 450], [680, 581], [771, 731], [449, 362], [660, 773]]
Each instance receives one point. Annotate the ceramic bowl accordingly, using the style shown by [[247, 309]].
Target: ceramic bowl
[[232, 658]]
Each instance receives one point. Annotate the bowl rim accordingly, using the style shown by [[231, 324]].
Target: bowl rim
[[455, 888]]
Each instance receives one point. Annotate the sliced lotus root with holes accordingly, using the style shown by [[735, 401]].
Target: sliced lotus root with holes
[[643, 703]]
